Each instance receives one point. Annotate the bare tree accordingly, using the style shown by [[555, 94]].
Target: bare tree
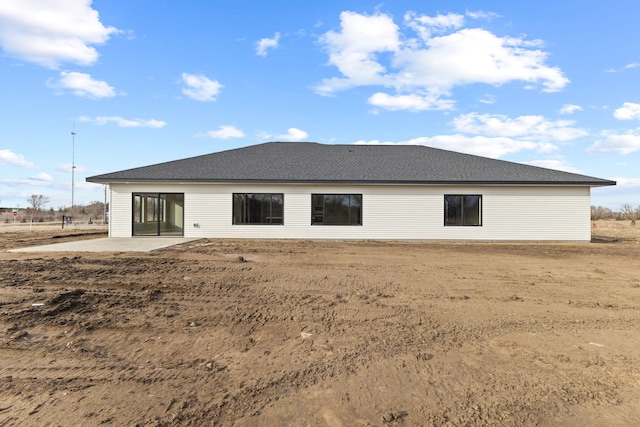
[[601, 212], [628, 212], [36, 202]]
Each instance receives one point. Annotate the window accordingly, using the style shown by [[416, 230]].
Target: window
[[158, 214], [462, 210], [258, 208], [336, 209]]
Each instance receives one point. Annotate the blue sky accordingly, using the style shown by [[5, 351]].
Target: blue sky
[[548, 83]]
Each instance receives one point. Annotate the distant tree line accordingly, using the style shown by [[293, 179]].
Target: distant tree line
[[626, 212], [36, 211]]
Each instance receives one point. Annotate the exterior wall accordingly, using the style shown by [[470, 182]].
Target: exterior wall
[[120, 211], [389, 212]]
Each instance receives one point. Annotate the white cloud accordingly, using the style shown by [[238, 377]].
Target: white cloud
[[474, 55], [124, 123], [67, 167], [10, 158], [42, 176], [570, 109], [411, 102], [627, 182], [498, 135], [200, 88], [83, 85], [14, 182], [370, 50], [487, 99], [531, 127], [265, 44], [353, 50], [293, 134], [426, 25], [51, 32], [226, 132], [481, 14], [560, 165], [628, 111], [624, 192], [478, 145], [629, 66], [88, 185], [613, 142]]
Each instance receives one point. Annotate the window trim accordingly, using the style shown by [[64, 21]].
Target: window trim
[[480, 211], [358, 224], [233, 216]]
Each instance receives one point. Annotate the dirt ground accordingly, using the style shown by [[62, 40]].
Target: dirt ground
[[303, 333]]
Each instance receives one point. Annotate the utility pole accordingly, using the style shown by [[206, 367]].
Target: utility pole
[[73, 164]]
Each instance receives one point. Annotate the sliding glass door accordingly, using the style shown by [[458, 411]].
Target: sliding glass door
[[158, 214]]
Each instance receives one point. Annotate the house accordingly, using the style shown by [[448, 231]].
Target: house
[[304, 190]]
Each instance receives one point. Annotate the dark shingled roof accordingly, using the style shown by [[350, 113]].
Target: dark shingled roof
[[308, 162]]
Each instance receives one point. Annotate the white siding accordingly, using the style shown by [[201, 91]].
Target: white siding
[[120, 212], [389, 212]]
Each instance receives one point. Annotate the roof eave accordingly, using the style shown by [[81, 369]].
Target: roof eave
[[599, 183]]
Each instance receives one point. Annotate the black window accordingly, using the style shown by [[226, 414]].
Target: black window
[[336, 209], [258, 208], [462, 210]]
